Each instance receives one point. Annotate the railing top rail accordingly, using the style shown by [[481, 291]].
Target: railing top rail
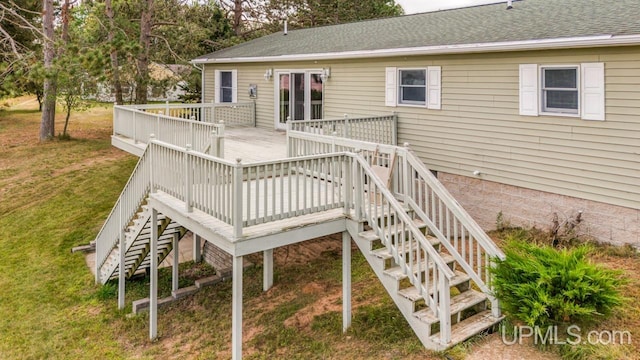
[[162, 106], [347, 117], [248, 164], [188, 121], [341, 141], [401, 213]]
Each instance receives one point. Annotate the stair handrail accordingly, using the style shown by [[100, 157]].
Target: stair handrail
[[132, 196], [465, 255], [440, 300]]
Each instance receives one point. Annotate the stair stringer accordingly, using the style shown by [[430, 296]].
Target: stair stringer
[[138, 235], [422, 330]]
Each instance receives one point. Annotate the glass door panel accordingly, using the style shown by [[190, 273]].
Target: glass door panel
[[283, 98], [299, 98], [316, 96]]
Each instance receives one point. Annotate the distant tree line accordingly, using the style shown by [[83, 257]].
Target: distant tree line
[[54, 48]]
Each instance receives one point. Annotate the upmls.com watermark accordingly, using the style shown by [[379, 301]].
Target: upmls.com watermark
[[572, 335]]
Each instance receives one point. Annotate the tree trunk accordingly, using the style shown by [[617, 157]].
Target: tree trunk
[[115, 67], [237, 17], [142, 80], [47, 122]]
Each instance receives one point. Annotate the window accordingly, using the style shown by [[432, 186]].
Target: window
[[413, 87], [226, 86], [563, 90], [560, 90]]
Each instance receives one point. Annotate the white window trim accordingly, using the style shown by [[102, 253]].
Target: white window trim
[[591, 91], [433, 87], [426, 84], [560, 112], [234, 86]]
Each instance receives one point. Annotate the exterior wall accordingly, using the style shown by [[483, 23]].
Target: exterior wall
[[479, 126], [484, 199]]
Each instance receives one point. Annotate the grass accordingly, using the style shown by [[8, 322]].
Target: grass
[[57, 195]]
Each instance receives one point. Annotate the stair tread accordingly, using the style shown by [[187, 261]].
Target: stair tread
[[370, 235], [384, 253], [412, 293], [459, 303], [470, 327], [397, 273]]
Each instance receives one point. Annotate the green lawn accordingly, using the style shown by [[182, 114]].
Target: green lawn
[[56, 195]]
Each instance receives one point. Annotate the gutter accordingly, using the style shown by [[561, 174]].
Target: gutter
[[543, 44], [201, 69]]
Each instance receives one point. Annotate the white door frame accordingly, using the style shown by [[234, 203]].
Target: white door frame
[[307, 91]]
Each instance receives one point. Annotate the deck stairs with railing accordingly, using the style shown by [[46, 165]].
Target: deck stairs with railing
[[428, 253], [138, 240]]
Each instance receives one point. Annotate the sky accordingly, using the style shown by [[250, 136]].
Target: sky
[[417, 6]]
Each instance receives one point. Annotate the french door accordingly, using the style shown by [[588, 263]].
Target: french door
[[299, 96]]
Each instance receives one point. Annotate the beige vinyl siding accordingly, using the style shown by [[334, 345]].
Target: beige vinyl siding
[[479, 126]]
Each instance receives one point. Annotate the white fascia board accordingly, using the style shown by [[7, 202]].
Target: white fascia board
[[543, 44]]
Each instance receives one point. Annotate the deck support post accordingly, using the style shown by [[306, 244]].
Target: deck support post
[[267, 282], [197, 248], [236, 309], [346, 281], [176, 262], [121, 273], [153, 287]]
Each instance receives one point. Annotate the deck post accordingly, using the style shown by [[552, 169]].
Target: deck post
[[267, 282], [346, 281], [236, 309], [358, 188], [151, 186], [408, 186], [176, 262], [394, 129], [348, 183], [444, 309], [166, 106], [153, 286], [135, 138], [237, 199], [197, 248], [289, 152], [346, 126], [121, 272], [188, 182]]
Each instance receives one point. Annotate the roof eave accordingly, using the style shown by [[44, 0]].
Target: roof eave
[[543, 44]]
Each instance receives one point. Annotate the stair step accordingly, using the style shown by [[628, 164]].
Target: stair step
[[397, 273], [412, 293], [459, 303], [470, 327], [370, 235], [385, 254]]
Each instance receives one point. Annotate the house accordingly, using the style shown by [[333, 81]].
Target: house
[[166, 84], [524, 112], [531, 112]]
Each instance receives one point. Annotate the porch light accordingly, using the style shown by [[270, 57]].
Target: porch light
[[268, 74], [326, 73]]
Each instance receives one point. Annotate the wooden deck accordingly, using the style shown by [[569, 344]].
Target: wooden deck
[[250, 144]]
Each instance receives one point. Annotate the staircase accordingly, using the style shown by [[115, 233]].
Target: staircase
[[425, 265], [469, 312], [138, 240], [131, 218]]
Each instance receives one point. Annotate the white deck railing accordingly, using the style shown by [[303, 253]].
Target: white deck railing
[[415, 185], [124, 211], [139, 125], [232, 114], [424, 267], [376, 129], [243, 195]]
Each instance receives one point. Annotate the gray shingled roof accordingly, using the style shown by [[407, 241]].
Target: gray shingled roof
[[528, 20]]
